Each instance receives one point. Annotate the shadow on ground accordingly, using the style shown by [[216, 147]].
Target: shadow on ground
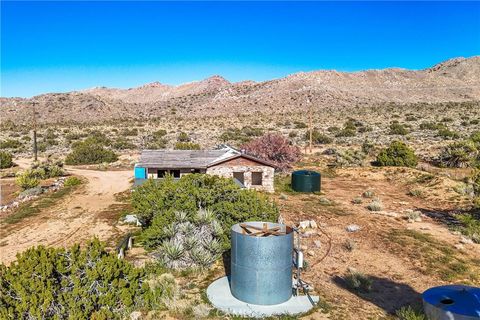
[[386, 294]]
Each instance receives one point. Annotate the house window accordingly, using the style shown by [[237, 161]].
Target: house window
[[175, 173], [257, 178], [161, 174], [239, 176]]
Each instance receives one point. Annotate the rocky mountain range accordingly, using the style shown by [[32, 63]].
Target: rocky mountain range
[[454, 80]]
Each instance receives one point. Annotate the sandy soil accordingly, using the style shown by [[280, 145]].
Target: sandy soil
[[79, 217], [398, 277]]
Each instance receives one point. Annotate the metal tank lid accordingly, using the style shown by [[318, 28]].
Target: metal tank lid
[[306, 172], [458, 299]]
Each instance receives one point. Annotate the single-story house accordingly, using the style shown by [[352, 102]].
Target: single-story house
[[248, 171]]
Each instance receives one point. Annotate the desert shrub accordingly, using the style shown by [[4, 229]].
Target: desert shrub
[[446, 133], [27, 180], [292, 134], [459, 154], [470, 226], [474, 121], [333, 129], [74, 136], [47, 169], [5, 160], [129, 132], [10, 144], [475, 137], [155, 202], [72, 181], [318, 137], [56, 283], [183, 137], [398, 129], [274, 148], [89, 152], [191, 242], [159, 133], [375, 205], [367, 147], [349, 158], [346, 132], [350, 245], [98, 137], [368, 194], [156, 140], [242, 135], [187, 146], [358, 281], [432, 126], [299, 125], [123, 144], [357, 200], [409, 313], [397, 154]]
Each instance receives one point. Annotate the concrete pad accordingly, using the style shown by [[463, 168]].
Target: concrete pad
[[220, 296]]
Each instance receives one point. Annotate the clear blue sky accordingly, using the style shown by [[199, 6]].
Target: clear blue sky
[[62, 46]]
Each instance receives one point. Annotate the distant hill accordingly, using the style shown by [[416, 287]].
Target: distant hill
[[454, 80]]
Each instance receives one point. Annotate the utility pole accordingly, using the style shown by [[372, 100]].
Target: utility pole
[[35, 149], [310, 122]]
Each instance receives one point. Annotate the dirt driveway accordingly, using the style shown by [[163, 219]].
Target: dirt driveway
[[80, 216]]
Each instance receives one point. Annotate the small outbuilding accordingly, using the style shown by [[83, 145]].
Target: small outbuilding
[[248, 171]]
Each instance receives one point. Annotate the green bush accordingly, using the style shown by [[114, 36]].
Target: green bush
[[72, 181], [123, 144], [409, 313], [358, 281], [89, 152], [47, 169], [183, 137], [10, 144], [187, 146], [59, 283], [459, 154], [318, 137], [5, 160], [27, 180], [432, 126], [398, 129], [446, 133], [397, 154], [346, 132], [156, 201]]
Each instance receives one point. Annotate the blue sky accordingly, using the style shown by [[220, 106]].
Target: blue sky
[[63, 46]]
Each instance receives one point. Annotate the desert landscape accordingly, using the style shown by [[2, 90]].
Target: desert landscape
[[403, 227]]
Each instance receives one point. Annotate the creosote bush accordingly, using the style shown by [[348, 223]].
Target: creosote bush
[[5, 160], [90, 152], [397, 154], [156, 201], [75, 283]]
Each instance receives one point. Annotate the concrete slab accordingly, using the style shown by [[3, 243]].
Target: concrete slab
[[220, 296]]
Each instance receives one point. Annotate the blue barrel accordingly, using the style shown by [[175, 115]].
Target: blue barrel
[[140, 173], [449, 302], [261, 267]]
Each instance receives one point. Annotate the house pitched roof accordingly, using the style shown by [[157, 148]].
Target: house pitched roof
[[190, 159]]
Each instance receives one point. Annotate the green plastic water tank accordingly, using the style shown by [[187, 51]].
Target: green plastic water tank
[[306, 181]]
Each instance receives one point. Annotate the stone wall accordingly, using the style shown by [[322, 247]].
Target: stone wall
[[226, 170]]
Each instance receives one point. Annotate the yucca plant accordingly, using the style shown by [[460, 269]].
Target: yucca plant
[[191, 242]]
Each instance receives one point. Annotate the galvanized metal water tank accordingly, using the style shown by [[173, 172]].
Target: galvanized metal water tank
[[261, 264], [306, 181], [452, 302]]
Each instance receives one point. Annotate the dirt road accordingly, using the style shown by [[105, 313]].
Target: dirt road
[[78, 217]]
